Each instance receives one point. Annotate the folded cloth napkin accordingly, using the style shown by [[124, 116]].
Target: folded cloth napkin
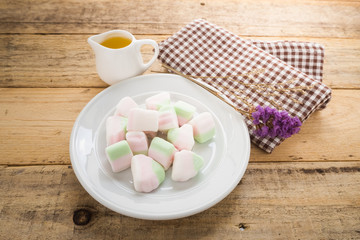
[[308, 57], [247, 74]]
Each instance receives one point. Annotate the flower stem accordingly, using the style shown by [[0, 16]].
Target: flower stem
[[204, 85]]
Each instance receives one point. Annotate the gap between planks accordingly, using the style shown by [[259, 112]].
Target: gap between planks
[[69, 165], [161, 35]]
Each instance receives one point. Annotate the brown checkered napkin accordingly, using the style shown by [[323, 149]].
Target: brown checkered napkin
[[308, 57], [247, 75]]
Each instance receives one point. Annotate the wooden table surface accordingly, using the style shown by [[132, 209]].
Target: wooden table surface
[[308, 188]]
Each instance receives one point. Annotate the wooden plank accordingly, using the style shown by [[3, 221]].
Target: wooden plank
[[68, 61], [273, 201], [35, 127], [260, 18], [36, 123]]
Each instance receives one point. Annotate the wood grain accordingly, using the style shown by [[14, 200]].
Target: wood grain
[[279, 201], [308, 188], [35, 127], [296, 18], [36, 123], [68, 61]]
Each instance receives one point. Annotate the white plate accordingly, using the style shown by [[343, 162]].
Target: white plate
[[226, 155]]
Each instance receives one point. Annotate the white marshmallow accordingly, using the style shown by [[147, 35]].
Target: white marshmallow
[[157, 101], [182, 138], [124, 106], [186, 165], [115, 129], [143, 120]]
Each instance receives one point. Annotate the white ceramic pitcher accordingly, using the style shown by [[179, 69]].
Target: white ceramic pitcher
[[114, 65]]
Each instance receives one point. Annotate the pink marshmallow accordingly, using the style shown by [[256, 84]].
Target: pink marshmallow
[[124, 106], [147, 173], [157, 101], [182, 120], [115, 129], [162, 151], [182, 138], [203, 126], [184, 111], [143, 120], [167, 118], [119, 155], [137, 142], [186, 165]]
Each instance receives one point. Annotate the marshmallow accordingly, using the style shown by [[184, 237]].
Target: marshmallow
[[147, 173], [119, 155], [137, 142], [143, 120], [203, 126], [186, 165], [115, 129], [184, 112], [124, 106], [182, 137], [162, 151], [167, 118], [157, 101]]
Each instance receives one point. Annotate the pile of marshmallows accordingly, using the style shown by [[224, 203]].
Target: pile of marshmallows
[[127, 135]]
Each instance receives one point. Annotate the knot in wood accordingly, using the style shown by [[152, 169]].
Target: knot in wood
[[81, 217], [242, 226]]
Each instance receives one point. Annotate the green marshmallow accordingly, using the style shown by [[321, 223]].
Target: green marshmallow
[[162, 104], [162, 146], [123, 123], [201, 138], [118, 150], [166, 108], [173, 134], [158, 170], [184, 109], [198, 161]]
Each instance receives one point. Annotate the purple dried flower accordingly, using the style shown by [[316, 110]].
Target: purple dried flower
[[274, 131], [271, 122], [262, 132]]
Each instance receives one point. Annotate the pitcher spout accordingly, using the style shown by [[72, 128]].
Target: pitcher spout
[[94, 44]]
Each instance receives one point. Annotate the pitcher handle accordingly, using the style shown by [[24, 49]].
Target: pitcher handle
[[156, 52]]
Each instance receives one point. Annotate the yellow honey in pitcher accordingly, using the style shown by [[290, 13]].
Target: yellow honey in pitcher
[[116, 42]]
